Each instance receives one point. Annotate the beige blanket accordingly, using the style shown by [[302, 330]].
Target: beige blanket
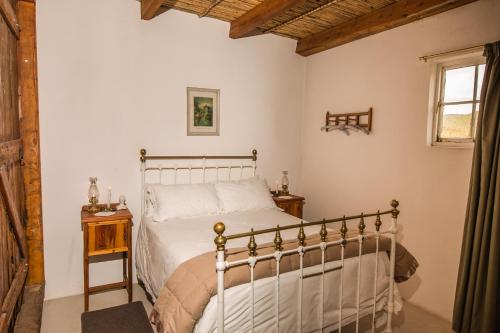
[[187, 292]]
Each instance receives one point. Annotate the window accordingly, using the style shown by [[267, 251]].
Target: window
[[457, 92]]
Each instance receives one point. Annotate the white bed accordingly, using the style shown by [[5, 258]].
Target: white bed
[[163, 246]]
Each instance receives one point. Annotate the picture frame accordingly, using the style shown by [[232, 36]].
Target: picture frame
[[203, 111]]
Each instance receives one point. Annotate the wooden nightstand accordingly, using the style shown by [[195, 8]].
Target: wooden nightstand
[[292, 204], [107, 235]]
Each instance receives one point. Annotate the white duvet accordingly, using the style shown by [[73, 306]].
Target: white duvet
[[163, 246]]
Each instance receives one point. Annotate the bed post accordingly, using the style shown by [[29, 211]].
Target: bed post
[[220, 266], [254, 159], [394, 231], [143, 177]]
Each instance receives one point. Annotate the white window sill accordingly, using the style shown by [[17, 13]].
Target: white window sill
[[453, 145]]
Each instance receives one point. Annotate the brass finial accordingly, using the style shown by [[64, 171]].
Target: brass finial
[[323, 233], [378, 221], [302, 235], [362, 225], [395, 211], [143, 155], [278, 240], [252, 246], [220, 240], [343, 229], [254, 153]]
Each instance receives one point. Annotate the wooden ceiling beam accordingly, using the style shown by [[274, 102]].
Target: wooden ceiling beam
[[247, 24], [385, 18], [151, 8]]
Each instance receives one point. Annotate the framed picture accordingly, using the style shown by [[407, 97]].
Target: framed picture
[[203, 111]]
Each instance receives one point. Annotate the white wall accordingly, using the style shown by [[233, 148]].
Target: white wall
[[111, 84], [343, 175]]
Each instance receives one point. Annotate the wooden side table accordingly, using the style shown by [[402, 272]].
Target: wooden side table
[[291, 204], [106, 235]]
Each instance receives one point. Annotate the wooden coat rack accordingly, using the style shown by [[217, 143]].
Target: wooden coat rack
[[345, 121]]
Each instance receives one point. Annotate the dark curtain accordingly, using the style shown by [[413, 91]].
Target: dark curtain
[[477, 298]]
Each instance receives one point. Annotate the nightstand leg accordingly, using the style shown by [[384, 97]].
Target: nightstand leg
[[85, 269], [129, 262], [124, 255], [86, 282]]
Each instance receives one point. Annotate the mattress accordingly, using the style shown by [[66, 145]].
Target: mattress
[[163, 246]]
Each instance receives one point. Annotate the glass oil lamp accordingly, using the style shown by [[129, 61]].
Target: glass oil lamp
[[93, 195], [285, 183]]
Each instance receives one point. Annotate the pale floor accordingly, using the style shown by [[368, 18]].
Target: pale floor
[[63, 314]]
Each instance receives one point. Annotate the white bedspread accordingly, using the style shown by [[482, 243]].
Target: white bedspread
[[162, 247]]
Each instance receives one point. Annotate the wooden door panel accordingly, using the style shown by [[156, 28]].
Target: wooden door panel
[[9, 105], [13, 247]]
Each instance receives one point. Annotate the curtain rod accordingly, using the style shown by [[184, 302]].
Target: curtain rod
[[470, 49]]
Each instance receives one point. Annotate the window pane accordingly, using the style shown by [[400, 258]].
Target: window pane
[[456, 121], [480, 76], [476, 112], [459, 84]]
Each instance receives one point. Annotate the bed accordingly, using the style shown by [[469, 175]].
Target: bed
[[165, 250]]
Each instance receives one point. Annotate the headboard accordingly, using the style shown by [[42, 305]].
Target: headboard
[[186, 169]]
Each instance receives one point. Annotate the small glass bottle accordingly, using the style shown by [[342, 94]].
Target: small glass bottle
[[285, 183], [122, 202]]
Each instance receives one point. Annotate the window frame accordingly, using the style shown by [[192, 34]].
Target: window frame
[[436, 93]]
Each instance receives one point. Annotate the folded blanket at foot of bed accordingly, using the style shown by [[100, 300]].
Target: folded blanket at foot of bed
[[187, 292]]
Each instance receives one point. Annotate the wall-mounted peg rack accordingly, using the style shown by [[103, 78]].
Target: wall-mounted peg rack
[[357, 121]]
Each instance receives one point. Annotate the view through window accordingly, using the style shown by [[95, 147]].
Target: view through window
[[458, 105]]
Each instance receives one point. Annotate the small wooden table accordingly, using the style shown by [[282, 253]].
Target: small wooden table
[[107, 235], [291, 204]]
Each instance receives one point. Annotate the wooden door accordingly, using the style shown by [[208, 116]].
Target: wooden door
[[13, 246]]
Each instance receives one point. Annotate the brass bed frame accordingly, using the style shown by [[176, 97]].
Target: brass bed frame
[[221, 239]]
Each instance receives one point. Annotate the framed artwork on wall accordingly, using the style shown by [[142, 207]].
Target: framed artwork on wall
[[203, 111]]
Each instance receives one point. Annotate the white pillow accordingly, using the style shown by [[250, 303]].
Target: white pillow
[[184, 200], [247, 194]]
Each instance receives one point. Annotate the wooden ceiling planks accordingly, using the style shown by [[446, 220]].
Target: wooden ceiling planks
[[324, 15], [317, 24], [226, 10]]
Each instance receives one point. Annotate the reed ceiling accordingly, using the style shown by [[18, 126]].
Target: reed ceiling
[[317, 25]]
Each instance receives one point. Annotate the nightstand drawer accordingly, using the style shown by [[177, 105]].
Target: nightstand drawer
[[107, 237], [286, 206], [291, 204], [292, 208]]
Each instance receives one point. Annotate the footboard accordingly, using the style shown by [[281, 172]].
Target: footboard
[[301, 249]]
